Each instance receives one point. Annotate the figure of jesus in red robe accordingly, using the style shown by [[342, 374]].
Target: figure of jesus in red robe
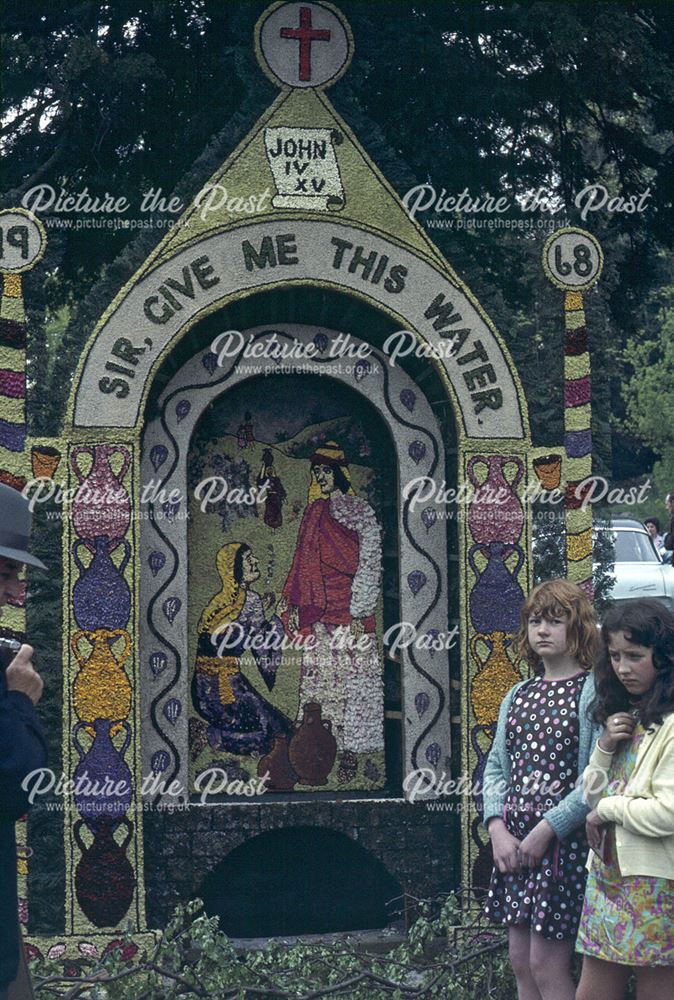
[[331, 593]]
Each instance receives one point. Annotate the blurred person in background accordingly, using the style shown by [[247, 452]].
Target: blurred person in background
[[652, 526]]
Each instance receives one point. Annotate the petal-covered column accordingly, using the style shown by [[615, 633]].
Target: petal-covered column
[[496, 538], [103, 819], [22, 244], [573, 260]]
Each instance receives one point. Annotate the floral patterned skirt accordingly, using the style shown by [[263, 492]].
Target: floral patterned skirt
[[629, 921]]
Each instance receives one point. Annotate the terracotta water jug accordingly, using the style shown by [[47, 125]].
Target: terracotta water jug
[[276, 763], [313, 748]]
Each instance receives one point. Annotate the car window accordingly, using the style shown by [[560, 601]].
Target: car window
[[633, 546]]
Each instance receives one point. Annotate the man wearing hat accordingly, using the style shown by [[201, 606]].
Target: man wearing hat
[[22, 745]]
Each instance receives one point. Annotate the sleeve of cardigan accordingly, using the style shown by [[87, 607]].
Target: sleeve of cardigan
[[572, 810], [651, 816], [596, 775], [497, 769]]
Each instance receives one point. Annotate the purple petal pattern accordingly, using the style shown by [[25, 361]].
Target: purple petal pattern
[[416, 581], [171, 607], [421, 703], [158, 456]]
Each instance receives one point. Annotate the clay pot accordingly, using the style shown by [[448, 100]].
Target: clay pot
[[313, 748], [548, 469], [282, 777], [44, 461]]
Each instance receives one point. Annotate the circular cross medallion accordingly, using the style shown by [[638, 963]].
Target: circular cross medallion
[[303, 44]]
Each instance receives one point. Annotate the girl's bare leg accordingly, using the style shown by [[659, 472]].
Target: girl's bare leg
[[655, 983], [601, 980], [519, 944], [550, 964]]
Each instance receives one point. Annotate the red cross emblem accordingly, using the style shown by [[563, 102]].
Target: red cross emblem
[[305, 35]]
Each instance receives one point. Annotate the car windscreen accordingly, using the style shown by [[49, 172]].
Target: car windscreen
[[633, 546]]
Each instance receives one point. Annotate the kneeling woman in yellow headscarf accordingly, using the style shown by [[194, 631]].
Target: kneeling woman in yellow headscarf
[[240, 719]]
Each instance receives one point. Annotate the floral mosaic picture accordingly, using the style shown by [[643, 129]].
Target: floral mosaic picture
[[285, 581]]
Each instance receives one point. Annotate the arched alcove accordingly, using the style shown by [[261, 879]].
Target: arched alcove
[[284, 420], [417, 572], [300, 880]]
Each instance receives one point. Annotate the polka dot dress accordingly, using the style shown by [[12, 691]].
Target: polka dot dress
[[542, 743]]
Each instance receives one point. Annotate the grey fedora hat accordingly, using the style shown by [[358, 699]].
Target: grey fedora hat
[[15, 521]]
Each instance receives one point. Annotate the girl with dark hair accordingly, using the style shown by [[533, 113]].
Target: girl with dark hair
[[652, 526], [533, 807], [628, 915]]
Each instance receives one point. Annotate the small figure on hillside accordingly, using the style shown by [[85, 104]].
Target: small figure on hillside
[[248, 430], [274, 493]]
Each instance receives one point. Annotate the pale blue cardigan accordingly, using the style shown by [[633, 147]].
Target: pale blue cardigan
[[571, 811]]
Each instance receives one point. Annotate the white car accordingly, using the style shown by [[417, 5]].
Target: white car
[[638, 570]]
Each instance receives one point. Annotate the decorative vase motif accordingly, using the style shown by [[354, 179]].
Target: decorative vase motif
[[102, 507], [497, 597], [313, 748], [101, 596], [104, 878], [496, 515], [494, 679], [101, 689], [108, 775], [277, 764]]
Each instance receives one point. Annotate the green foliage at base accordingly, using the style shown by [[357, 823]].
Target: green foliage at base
[[445, 955]]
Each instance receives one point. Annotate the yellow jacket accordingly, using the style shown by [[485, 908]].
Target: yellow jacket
[[644, 813]]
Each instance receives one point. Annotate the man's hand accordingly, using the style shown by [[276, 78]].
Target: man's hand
[[504, 847], [357, 627], [294, 619], [22, 676], [535, 844], [619, 727]]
